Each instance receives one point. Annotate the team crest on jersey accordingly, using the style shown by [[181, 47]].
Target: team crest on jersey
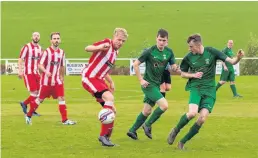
[[207, 61]]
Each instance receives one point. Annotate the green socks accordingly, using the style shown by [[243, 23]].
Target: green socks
[[218, 86], [154, 117], [233, 88], [139, 121], [182, 122], [192, 132]]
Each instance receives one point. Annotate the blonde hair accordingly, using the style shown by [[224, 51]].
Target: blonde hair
[[122, 31]]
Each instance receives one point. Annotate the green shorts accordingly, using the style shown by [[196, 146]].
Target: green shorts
[[151, 94], [227, 76], [203, 98]]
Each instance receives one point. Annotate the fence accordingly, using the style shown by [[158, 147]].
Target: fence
[[74, 66]]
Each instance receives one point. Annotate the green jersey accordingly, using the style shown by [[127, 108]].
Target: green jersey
[[229, 53], [205, 63], [156, 62]]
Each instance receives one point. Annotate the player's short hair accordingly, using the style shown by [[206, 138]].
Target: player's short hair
[[54, 33], [122, 31], [162, 33], [196, 38]]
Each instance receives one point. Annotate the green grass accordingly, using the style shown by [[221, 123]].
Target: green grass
[[230, 132], [82, 23]]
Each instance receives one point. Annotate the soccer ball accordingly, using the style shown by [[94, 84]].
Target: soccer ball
[[106, 116]]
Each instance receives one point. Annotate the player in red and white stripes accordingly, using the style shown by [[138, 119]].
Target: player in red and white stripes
[[52, 67], [95, 74], [30, 55]]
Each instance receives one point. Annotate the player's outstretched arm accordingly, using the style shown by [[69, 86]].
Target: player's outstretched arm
[[174, 68], [101, 47], [191, 75], [236, 59]]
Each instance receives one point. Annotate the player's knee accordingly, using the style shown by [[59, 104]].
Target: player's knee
[[191, 114], [108, 96], [164, 106], [146, 111], [201, 119], [61, 99], [222, 82], [232, 82], [34, 93]]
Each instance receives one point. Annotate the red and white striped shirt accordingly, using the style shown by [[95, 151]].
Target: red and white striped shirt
[[52, 61], [31, 55], [100, 62]]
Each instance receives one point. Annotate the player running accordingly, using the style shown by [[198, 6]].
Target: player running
[[199, 67], [156, 59]]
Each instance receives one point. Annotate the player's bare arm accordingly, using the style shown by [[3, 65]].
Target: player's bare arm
[[236, 59], [225, 67], [62, 72], [101, 47], [20, 73], [174, 68], [111, 82], [42, 69], [136, 65], [191, 75]]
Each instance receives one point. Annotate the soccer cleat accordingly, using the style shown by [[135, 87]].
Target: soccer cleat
[[237, 96], [132, 135], [24, 107], [28, 120], [35, 114], [105, 141], [69, 122], [181, 146], [147, 131], [172, 136]]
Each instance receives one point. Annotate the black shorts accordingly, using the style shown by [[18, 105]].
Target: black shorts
[[166, 78]]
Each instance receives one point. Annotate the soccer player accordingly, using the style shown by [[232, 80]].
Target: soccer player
[[156, 58], [228, 72], [30, 55], [199, 67], [52, 80], [95, 74]]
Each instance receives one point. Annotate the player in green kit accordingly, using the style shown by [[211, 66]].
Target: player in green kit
[[228, 72], [199, 67], [156, 59]]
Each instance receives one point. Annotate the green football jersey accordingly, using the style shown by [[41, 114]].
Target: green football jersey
[[205, 63], [230, 54], [156, 62]]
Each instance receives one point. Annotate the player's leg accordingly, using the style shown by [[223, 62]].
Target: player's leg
[[233, 85], [58, 93], [163, 89], [205, 107], [194, 102], [106, 129], [32, 86], [162, 107], [43, 93], [223, 79], [141, 118]]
